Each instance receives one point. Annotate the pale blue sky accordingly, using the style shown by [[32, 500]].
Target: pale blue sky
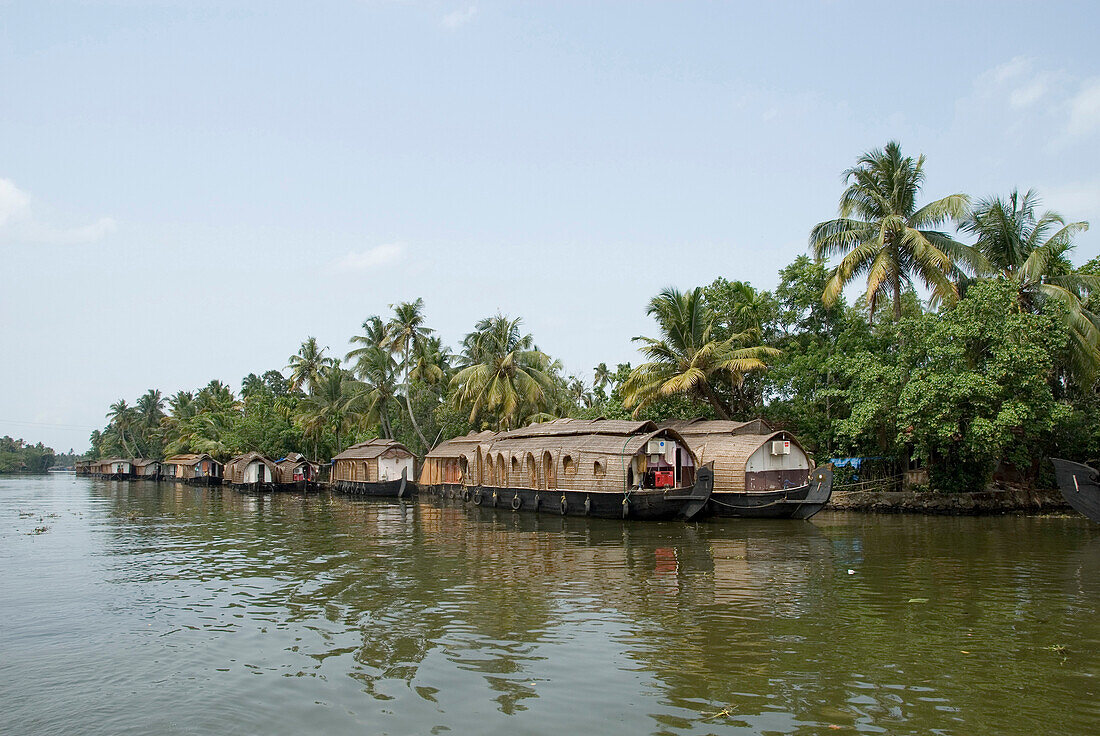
[[188, 189]]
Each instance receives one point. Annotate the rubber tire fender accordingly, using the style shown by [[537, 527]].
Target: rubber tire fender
[[516, 502]]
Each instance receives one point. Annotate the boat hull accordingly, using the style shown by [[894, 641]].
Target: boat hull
[[400, 488], [1080, 485], [205, 481], [298, 486], [788, 503], [645, 505], [252, 487]]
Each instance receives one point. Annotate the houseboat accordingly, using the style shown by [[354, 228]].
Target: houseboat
[[84, 467], [581, 467], [115, 468], [194, 469], [758, 471], [146, 469], [376, 467], [295, 473], [251, 472], [1080, 486]]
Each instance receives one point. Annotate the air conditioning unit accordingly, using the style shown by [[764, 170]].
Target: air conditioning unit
[[655, 447], [781, 447]]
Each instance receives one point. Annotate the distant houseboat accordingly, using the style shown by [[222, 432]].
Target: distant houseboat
[[610, 469], [758, 471], [196, 470], [146, 469], [295, 472], [115, 468], [84, 467], [251, 471], [376, 467]]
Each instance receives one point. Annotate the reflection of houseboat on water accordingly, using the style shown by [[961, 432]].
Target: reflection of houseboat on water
[[195, 470], [758, 471], [376, 467], [597, 467]]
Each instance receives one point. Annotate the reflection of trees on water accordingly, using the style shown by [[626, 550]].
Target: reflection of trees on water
[[760, 616]]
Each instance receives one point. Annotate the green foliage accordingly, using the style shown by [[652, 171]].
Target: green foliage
[[882, 233], [504, 379], [978, 391], [1003, 375], [17, 456], [691, 360]]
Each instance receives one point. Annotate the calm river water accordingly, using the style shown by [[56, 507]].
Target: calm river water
[[145, 608]]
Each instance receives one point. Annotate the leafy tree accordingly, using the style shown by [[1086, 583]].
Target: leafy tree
[[978, 389], [882, 233], [1029, 250], [335, 405], [307, 364], [504, 377], [406, 334], [601, 377], [688, 358]]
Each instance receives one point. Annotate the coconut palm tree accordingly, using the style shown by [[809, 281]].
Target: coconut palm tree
[[377, 372], [431, 362], [688, 359], [374, 336], [405, 334], [150, 413], [334, 405], [503, 374], [882, 233], [215, 397], [306, 365], [121, 418], [1030, 251], [602, 376]]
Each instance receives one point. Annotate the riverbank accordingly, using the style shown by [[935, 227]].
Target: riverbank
[[1000, 500]]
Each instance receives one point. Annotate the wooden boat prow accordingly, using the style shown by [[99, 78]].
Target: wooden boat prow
[[1080, 485]]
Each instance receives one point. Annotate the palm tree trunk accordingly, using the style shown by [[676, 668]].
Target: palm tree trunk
[[719, 408], [408, 403]]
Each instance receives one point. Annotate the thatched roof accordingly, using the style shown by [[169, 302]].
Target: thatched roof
[[243, 461], [564, 427], [294, 459], [609, 442], [194, 459], [141, 462], [599, 436], [457, 446], [691, 427], [373, 448]]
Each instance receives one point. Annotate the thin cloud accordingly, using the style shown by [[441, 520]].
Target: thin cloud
[[14, 204], [1074, 201], [371, 258], [1029, 101], [19, 223], [1084, 109], [459, 18]]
